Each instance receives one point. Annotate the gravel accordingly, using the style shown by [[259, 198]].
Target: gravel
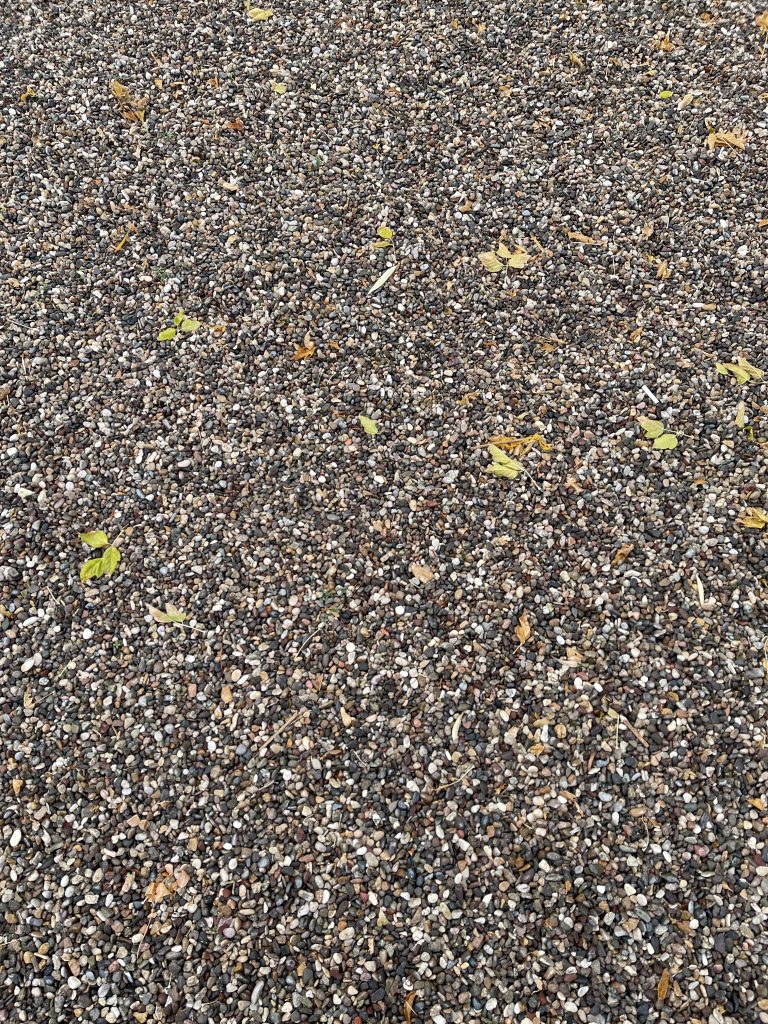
[[343, 778]]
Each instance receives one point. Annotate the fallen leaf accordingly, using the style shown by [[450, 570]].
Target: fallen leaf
[[303, 352], [279, 88], [260, 13], [740, 419], [652, 428], [158, 890], [742, 371], [523, 628], [762, 22], [381, 281], [662, 270], [726, 140], [518, 259], [91, 570], [188, 325], [386, 233], [577, 236], [622, 554], [757, 802], [94, 538], [698, 586], [491, 262], [28, 94], [753, 371], [686, 101], [520, 445], [346, 718], [663, 987], [120, 245], [167, 334], [26, 701], [666, 94], [763, 223], [235, 125], [666, 442], [505, 472], [170, 615], [575, 60], [226, 694], [16, 785], [368, 425], [422, 572], [466, 207], [754, 518], [410, 999]]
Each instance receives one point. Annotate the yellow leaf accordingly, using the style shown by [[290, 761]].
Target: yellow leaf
[[757, 802], [575, 60], [519, 259], [520, 446], [119, 246], [662, 270], [119, 91], [663, 987], [381, 243], [523, 628], [505, 472], [491, 262], [278, 87], [741, 373], [652, 428], [753, 371], [763, 223], [28, 94], [368, 425], [666, 442], [665, 94], [754, 518], [762, 22], [260, 13], [16, 785], [466, 207], [385, 232], [577, 236]]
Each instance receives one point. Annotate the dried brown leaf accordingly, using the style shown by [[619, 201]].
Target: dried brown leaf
[[226, 694], [726, 140], [577, 236], [303, 352], [663, 986], [422, 572], [622, 554], [410, 999], [523, 628]]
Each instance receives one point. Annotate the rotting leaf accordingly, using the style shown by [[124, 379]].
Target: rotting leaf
[[94, 538], [741, 370], [410, 999], [652, 428], [663, 986], [754, 518], [519, 259], [381, 281], [422, 572], [369, 426], [523, 628]]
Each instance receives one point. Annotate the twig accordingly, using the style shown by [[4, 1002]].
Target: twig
[[281, 729]]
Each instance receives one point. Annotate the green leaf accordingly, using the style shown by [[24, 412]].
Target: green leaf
[[179, 317], [260, 13], [188, 325], [665, 94], [381, 244], [91, 570], [368, 425], [665, 442], [94, 538], [279, 88], [167, 335], [652, 428], [386, 233], [507, 472], [110, 560]]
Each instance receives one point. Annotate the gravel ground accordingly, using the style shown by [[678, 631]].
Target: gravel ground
[[344, 779]]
